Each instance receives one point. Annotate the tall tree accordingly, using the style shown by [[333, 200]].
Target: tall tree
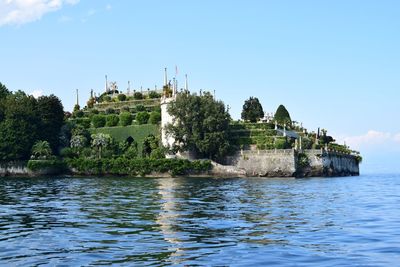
[[20, 128], [282, 115], [3, 91], [3, 95], [252, 110], [200, 125], [51, 113]]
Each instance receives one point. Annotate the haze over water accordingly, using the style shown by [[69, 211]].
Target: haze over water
[[351, 221]]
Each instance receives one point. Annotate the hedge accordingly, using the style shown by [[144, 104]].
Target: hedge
[[37, 165], [138, 166]]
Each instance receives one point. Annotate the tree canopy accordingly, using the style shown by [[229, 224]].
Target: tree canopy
[[252, 110], [282, 115], [26, 120], [200, 125]]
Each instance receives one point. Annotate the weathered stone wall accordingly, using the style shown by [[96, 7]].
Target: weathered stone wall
[[13, 169], [324, 163], [283, 163], [265, 163]]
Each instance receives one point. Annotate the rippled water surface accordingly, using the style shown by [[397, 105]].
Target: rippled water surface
[[352, 221]]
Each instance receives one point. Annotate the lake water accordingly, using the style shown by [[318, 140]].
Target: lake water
[[349, 221]]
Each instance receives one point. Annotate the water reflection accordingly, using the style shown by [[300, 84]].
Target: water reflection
[[160, 222]]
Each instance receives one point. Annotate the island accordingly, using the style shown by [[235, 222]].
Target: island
[[161, 133]]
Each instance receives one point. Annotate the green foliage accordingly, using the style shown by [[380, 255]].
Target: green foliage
[[281, 143], [302, 160], [51, 113], [154, 94], [110, 111], [112, 120], [78, 114], [137, 132], [155, 117], [76, 108], [252, 110], [85, 122], [137, 166], [306, 143], [3, 91], [151, 144], [41, 150], [140, 108], [125, 118], [121, 97], [138, 95], [106, 98], [40, 165], [282, 116], [99, 121], [20, 128], [202, 125], [142, 117], [101, 141], [78, 141]]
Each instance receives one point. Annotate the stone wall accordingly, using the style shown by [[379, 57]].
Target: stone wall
[[265, 163], [323, 163], [13, 169], [283, 163]]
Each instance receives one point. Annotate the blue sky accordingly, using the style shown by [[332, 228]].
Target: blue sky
[[333, 64]]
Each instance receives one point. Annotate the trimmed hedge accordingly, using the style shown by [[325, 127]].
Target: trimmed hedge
[[38, 165], [137, 166], [98, 121], [112, 120]]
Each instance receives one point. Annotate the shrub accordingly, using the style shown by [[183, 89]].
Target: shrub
[[140, 108], [38, 165], [281, 143], [85, 122], [142, 117], [137, 166], [68, 152], [154, 94], [125, 108], [98, 121], [41, 150], [121, 97], [107, 98], [78, 114], [94, 111], [110, 111], [138, 95], [155, 117], [125, 118], [112, 120]]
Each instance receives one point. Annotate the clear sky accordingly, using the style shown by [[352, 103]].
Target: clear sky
[[333, 64]]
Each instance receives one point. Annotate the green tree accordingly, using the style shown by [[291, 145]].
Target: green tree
[[41, 150], [252, 110], [4, 92], [51, 113], [20, 128], [201, 125], [125, 118], [101, 141], [112, 120], [142, 117], [155, 117], [99, 121], [282, 116], [121, 97], [138, 95]]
